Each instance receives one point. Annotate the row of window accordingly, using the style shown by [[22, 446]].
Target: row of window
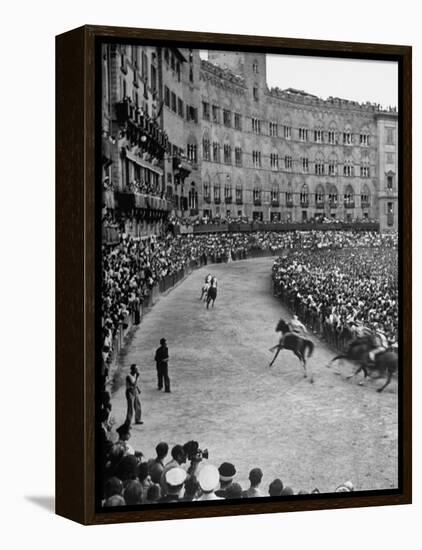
[[213, 153], [213, 113], [275, 194], [176, 104]]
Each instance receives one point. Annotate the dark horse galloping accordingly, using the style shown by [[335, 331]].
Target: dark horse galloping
[[358, 352], [211, 295], [293, 342]]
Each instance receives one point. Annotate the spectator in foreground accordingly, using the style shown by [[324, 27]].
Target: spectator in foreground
[[174, 480], [255, 478], [178, 458], [208, 479], [227, 472], [156, 465], [234, 490], [276, 487], [133, 492]]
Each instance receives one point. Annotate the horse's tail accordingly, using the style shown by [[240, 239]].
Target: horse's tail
[[309, 344]]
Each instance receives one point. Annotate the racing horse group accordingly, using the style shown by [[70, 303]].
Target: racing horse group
[[209, 290], [358, 352]]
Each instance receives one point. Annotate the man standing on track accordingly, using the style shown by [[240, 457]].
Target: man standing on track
[[132, 396], [161, 360]]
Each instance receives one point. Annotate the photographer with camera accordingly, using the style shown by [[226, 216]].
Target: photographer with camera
[[195, 455], [132, 396]]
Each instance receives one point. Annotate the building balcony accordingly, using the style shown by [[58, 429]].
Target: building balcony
[[365, 204], [140, 128], [289, 203], [239, 200], [228, 200], [257, 202], [207, 199], [275, 202], [333, 204], [217, 200], [319, 205], [304, 204], [349, 205]]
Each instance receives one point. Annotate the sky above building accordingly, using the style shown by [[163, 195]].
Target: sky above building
[[354, 79]]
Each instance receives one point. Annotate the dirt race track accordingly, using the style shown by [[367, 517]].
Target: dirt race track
[[226, 397]]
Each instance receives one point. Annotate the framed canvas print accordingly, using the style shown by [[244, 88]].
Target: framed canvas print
[[233, 274]]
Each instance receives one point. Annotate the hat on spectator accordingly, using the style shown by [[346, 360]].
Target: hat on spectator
[[175, 478], [349, 485], [227, 471], [208, 478], [234, 490]]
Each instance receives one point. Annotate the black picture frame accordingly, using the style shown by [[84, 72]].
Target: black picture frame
[[77, 248]]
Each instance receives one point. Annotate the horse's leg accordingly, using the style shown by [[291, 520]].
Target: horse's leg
[[341, 356], [276, 353], [302, 360], [389, 375], [355, 373]]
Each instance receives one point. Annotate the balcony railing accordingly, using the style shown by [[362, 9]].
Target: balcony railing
[[138, 125], [239, 200], [365, 204], [275, 202], [257, 202], [333, 204], [304, 204], [349, 204], [319, 205], [207, 199], [217, 200], [228, 200], [289, 203]]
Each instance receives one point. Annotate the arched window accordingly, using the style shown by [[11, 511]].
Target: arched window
[[365, 197], [207, 189], [332, 133], [319, 164], [206, 146], [289, 195], [304, 196], [333, 197], [257, 193], [319, 196], [228, 190], [348, 167], [349, 197], [193, 199], [192, 149], [217, 191], [332, 165], [348, 135], [275, 194], [239, 192]]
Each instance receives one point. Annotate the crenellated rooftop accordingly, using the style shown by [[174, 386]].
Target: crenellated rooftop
[[302, 97], [223, 73]]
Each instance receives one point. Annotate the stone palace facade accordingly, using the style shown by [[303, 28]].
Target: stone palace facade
[[208, 138]]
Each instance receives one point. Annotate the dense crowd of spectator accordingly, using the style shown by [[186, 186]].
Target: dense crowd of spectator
[[343, 287], [131, 268], [131, 478]]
